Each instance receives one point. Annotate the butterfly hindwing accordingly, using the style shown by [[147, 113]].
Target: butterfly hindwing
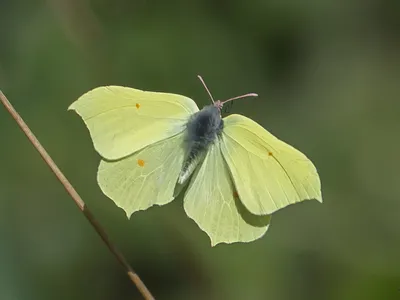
[[145, 178], [268, 173], [123, 120], [212, 202]]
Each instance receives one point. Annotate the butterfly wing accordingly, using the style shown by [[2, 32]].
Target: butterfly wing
[[211, 201], [268, 173], [123, 120], [144, 178]]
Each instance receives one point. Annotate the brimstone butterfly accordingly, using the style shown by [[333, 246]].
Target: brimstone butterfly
[[152, 144]]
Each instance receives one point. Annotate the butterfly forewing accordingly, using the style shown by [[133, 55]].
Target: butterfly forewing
[[268, 173], [123, 120]]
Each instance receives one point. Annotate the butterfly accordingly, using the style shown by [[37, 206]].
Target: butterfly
[[153, 145]]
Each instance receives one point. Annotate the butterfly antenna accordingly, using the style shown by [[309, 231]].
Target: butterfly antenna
[[205, 86], [239, 97]]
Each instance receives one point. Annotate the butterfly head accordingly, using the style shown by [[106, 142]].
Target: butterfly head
[[219, 104]]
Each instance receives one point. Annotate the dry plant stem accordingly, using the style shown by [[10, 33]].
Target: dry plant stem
[[77, 199]]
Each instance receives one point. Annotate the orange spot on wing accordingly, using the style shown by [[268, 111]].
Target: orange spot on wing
[[270, 153], [137, 105], [140, 162]]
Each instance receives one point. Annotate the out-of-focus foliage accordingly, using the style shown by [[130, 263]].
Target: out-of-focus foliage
[[328, 76]]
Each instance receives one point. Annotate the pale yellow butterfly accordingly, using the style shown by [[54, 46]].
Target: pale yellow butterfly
[[152, 144]]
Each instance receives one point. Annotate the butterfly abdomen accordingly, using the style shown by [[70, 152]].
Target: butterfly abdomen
[[203, 128]]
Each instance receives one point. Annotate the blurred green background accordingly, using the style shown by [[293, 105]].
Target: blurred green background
[[328, 76]]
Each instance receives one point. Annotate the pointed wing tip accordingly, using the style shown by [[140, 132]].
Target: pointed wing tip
[[72, 106], [215, 243], [318, 197], [128, 214]]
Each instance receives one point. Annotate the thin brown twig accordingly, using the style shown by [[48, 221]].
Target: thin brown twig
[[77, 199]]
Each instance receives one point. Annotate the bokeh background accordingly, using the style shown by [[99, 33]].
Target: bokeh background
[[328, 76]]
